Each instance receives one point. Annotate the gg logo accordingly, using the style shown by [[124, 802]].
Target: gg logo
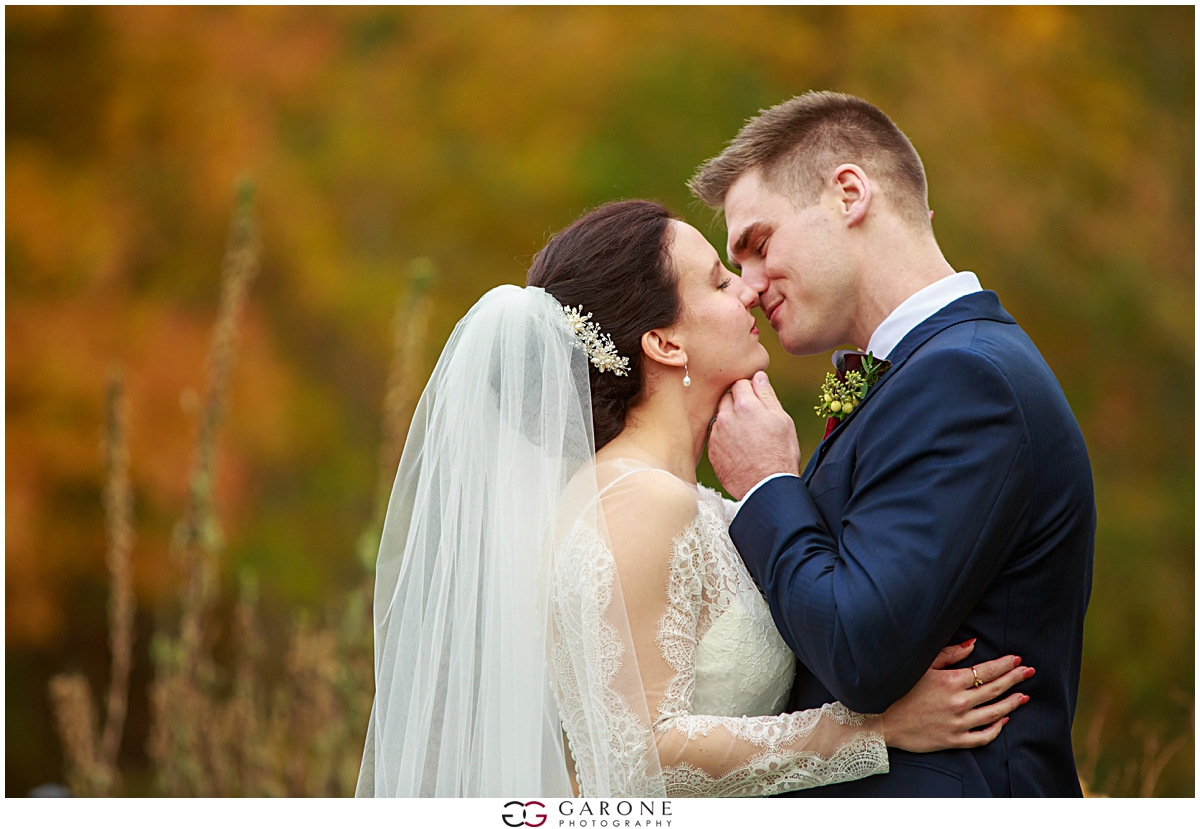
[[511, 819]]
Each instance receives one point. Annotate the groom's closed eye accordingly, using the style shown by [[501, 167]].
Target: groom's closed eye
[[757, 231]]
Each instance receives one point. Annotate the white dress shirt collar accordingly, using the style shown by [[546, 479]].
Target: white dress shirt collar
[[919, 307]]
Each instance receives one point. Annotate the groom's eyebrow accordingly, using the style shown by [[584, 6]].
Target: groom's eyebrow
[[743, 240]]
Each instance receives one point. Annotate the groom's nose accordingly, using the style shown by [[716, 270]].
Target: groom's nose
[[755, 275]]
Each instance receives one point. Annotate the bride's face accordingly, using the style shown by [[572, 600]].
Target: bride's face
[[717, 330]]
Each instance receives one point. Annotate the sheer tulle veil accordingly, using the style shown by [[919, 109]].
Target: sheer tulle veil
[[496, 471]]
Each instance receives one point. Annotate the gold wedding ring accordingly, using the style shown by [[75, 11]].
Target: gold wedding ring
[[978, 681]]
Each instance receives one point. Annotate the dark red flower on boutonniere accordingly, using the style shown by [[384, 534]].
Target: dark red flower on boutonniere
[[844, 391], [830, 425]]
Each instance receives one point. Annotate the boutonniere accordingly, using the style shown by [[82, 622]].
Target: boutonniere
[[844, 391]]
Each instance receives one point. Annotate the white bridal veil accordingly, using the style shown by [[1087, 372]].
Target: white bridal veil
[[497, 466]]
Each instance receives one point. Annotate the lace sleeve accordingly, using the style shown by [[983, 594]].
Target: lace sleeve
[[709, 756], [728, 507], [678, 579]]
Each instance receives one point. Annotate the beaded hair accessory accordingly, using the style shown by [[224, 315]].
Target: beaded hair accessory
[[598, 345]]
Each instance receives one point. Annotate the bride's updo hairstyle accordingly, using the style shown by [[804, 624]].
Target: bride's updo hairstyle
[[614, 261]]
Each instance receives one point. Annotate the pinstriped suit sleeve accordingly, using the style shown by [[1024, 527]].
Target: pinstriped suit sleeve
[[935, 502]]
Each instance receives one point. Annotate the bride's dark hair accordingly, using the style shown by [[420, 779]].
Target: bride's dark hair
[[614, 261]]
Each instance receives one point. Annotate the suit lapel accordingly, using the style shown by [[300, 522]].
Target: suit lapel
[[982, 305]]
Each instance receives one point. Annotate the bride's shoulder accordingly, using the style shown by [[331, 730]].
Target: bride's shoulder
[[627, 480], [645, 506], [646, 511]]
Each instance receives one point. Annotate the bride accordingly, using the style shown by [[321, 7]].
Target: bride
[[559, 609]]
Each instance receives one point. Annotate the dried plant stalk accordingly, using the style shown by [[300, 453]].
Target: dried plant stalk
[[250, 768], [1135, 778], [1156, 759], [410, 328], [92, 756], [1091, 755], [184, 714], [313, 671], [406, 374], [197, 537], [357, 637], [75, 716], [118, 509]]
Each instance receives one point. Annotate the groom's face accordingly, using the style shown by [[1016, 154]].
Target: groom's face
[[795, 258]]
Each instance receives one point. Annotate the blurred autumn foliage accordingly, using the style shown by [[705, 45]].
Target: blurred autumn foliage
[[1059, 144]]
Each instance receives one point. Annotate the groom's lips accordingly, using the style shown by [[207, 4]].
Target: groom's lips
[[771, 312]]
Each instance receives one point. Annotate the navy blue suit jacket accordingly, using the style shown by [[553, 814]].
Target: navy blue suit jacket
[[955, 502]]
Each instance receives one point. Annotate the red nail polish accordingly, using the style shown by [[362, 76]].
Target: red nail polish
[[1029, 672], [969, 642], [1016, 661], [1005, 721], [1024, 699]]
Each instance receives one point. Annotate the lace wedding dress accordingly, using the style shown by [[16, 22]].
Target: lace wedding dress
[[522, 590], [709, 665]]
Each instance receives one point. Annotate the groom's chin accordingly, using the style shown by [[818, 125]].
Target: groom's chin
[[805, 347], [801, 348], [792, 345]]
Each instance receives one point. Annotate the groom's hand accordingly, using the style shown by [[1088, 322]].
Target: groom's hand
[[752, 437]]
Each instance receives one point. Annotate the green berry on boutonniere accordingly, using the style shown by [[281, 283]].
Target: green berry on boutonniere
[[841, 395]]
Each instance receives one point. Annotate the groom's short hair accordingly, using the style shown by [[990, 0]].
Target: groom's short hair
[[796, 145]]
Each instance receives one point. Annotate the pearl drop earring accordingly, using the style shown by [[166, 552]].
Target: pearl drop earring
[[687, 379]]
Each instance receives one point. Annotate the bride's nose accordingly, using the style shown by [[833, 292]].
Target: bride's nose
[[748, 295]]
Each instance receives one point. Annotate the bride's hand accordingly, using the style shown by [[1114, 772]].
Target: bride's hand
[[942, 708]]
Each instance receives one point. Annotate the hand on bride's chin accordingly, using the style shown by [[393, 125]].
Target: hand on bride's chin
[[752, 437]]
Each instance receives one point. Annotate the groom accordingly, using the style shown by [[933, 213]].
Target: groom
[[954, 502]]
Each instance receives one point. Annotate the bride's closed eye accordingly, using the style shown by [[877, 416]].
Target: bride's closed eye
[[724, 284]]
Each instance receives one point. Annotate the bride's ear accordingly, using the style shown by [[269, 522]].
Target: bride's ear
[[658, 346]]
